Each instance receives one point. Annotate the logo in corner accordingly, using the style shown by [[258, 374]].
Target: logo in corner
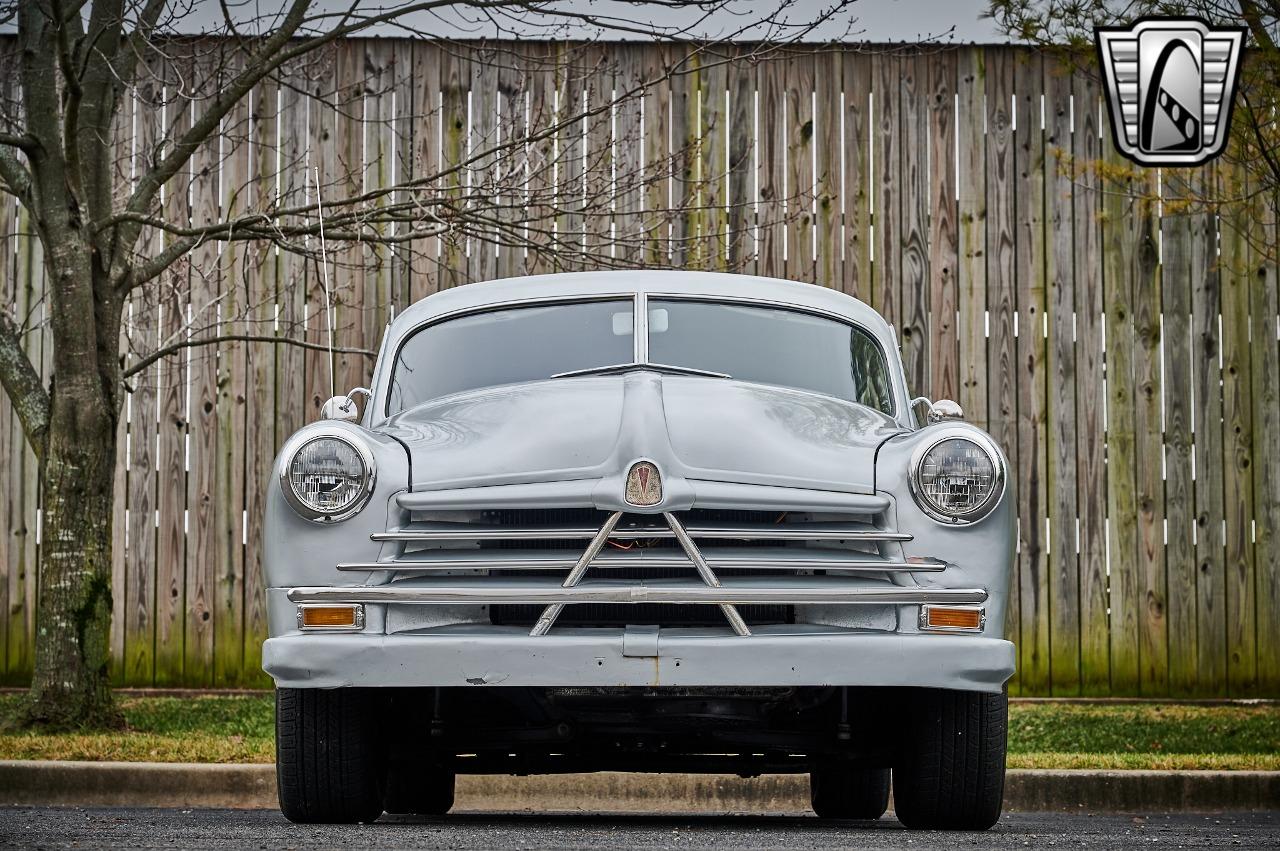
[[644, 484], [1170, 85]]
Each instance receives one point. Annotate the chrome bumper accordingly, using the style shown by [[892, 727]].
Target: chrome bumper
[[496, 591], [784, 655]]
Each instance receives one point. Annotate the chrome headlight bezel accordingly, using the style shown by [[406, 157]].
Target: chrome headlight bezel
[[295, 445], [987, 445]]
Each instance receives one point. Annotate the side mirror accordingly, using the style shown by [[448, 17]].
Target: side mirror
[[943, 410], [343, 408], [939, 411]]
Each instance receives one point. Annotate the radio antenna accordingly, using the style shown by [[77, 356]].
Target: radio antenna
[[324, 277]]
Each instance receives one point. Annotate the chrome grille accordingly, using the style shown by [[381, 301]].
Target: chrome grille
[[585, 567]]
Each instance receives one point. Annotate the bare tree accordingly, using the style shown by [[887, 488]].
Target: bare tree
[[109, 234]]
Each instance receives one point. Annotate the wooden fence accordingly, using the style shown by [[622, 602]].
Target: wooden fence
[[1121, 345]]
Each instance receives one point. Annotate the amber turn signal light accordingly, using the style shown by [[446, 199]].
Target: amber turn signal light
[[953, 618], [350, 616]]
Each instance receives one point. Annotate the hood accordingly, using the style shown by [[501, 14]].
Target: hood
[[590, 427]]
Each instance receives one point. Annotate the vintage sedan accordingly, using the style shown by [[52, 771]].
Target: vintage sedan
[[640, 521]]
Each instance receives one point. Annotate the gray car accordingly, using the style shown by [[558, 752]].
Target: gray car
[[640, 521]]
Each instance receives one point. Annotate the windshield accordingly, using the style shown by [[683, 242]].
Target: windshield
[[509, 346], [713, 340], [771, 346]]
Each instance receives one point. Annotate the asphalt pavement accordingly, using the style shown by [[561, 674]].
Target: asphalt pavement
[[57, 827]]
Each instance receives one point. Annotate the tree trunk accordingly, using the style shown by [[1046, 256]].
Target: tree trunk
[[70, 686]]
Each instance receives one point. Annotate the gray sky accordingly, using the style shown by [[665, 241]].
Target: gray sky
[[865, 20]]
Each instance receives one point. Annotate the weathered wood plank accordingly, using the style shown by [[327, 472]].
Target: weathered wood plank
[[1153, 639], [857, 178], [943, 339], [425, 133], [172, 394], [1064, 602], [971, 219], [828, 150], [1179, 489], [1121, 231], [798, 189], [887, 187], [1091, 473], [509, 162], [1029, 273], [455, 88], [485, 101], [913, 201], [713, 181], [202, 580], [1237, 431], [1264, 313], [1206, 308], [142, 327], [773, 190]]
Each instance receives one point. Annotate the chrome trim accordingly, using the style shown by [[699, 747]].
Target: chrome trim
[[939, 434], [680, 591], [495, 560], [357, 615], [795, 532], [321, 432], [704, 570], [924, 620], [550, 613]]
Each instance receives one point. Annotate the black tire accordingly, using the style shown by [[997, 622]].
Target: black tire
[[951, 774], [843, 791], [330, 761], [427, 792]]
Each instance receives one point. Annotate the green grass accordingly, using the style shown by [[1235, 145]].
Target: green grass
[[1041, 735]]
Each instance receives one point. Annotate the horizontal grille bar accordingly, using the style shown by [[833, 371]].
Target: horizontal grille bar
[[678, 591], [437, 532], [798, 558]]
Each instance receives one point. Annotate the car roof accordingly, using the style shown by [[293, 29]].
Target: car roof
[[625, 282]]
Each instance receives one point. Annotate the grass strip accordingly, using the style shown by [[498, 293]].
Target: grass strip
[[240, 729]]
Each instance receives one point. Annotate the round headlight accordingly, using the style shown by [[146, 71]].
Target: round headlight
[[327, 478], [957, 478]]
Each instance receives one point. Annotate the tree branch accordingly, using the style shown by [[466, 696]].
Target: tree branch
[[23, 386], [17, 179], [165, 352]]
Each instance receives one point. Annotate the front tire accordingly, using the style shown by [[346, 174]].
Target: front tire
[[842, 791], [330, 759], [950, 774]]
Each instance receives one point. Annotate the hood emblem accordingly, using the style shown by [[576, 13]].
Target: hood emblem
[[644, 484]]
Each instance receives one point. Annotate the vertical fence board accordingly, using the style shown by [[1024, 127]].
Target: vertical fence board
[[1029, 265], [1206, 308], [1237, 431], [1153, 641], [857, 177], [1179, 490], [1264, 313], [886, 170], [1063, 601], [943, 332], [828, 152], [1091, 473], [799, 122], [773, 145], [1120, 234], [971, 219], [912, 200]]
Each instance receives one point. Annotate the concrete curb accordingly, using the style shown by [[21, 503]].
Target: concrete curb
[[187, 785]]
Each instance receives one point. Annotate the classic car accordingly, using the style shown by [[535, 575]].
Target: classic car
[[640, 521]]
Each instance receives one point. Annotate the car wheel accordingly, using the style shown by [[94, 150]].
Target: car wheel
[[950, 776], [840, 790], [330, 764], [424, 792]]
